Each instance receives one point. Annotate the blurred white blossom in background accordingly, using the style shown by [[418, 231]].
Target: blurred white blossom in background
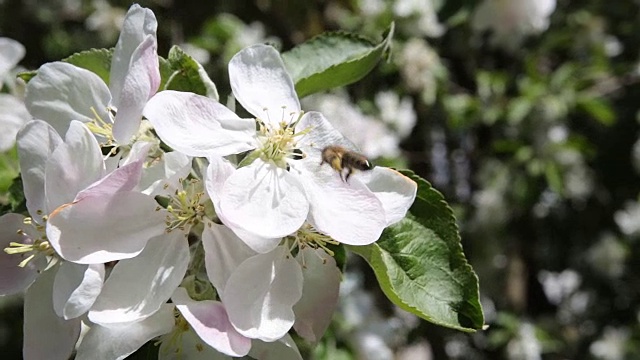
[[525, 346], [558, 286], [628, 219], [396, 112], [420, 67], [511, 20], [13, 113], [611, 345], [608, 255], [424, 16], [106, 20]]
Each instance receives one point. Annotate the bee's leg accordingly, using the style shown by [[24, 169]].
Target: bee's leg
[[349, 172]]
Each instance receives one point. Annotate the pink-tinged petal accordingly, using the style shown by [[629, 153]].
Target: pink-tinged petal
[[140, 83], [62, 92], [223, 253], [265, 200], [199, 126], [11, 52], [319, 294], [105, 228], [124, 178], [118, 341], [13, 278], [209, 320], [139, 151], [46, 336], [188, 346], [75, 288], [137, 287], [138, 24], [345, 210], [37, 140], [165, 176], [283, 349], [262, 85], [13, 115], [260, 294], [73, 166], [395, 191]]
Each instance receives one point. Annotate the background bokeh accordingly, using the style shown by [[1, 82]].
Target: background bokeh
[[523, 113]]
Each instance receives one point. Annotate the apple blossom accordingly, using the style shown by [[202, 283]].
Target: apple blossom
[[282, 183], [279, 290], [61, 92]]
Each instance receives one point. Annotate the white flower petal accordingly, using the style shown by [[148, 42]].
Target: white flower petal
[[265, 200], [73, 166], [13, 115], [137, 287], [223, 253], [104, 228], [199, 126], [283, 349], [319, 294], [13, 278], [62, 92], [116, 342], [188, 346], [11, 52], [260, 294], [46, 336], [218, 171], [262, 85], [138, 24], [345, 210], [36, 142], [140, 83], [395, 191], [75, 288], [209, 320], [165, 176]]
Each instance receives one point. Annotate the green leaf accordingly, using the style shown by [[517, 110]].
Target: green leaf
[[599, 109], [95, 60], [420, 265], [332, 60], [186, 74], [27, 75]]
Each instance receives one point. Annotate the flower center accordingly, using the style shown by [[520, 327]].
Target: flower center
[[31, 248], [174, 338], [185, 208], [278, 143], [102, 129], [307, 235]]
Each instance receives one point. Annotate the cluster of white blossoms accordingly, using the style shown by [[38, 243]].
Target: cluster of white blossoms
[[216, 249]]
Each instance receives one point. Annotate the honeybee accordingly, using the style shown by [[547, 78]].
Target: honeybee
[[340, 159]]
